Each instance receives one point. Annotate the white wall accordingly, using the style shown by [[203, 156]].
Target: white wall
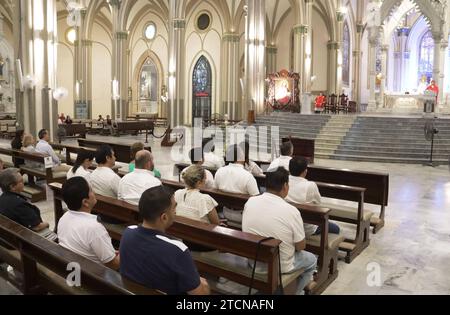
[[284, 42], [7, 52], [320, 52], [65, 69], [208, 44]]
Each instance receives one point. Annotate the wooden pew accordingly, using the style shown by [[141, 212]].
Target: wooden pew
[[32, 192], [44, 264], [73, 131], [69, 150], [325, 245], [354, 215], [375, 184], [135, 126], [234, 243], [121, 151], [303, 147]]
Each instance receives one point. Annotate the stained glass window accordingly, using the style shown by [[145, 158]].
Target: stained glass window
[[202, 78], [426, 56], [346, 56]]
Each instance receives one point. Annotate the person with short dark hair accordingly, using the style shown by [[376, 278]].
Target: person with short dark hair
[[133, 185], [16, 144], [79, 230], [197, 158], [302, 191], [287, 151], [211, 160], [269, 215], [154, 259], [82, 165], [17, 208], [233, 178], [44, 147], [104, 180]]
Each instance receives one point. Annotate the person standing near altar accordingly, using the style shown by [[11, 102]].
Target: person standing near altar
[[433, 88], [423, 85]]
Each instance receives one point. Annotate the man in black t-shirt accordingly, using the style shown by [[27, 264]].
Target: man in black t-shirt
[[16, 207], [152, 258]]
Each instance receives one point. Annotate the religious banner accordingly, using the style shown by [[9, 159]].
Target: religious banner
[[283, 91]]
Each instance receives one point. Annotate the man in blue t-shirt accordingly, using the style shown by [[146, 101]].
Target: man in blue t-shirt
[[152, 258]]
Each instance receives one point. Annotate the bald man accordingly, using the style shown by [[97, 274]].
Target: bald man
[[134, 184]]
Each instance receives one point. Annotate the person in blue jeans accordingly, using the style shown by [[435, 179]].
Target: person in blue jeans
[[269, 215]]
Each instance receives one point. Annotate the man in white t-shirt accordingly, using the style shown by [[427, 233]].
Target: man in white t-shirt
[[287, 151], [269, 215], [211, 160], [234, 178], [79, 230], [104, 180], [302, 191], [197, 158], [134, 184]]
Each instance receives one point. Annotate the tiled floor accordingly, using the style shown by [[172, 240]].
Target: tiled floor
[[411, 252]]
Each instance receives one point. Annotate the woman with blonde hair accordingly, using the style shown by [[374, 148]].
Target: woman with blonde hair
[[28, 146], [191, 203]]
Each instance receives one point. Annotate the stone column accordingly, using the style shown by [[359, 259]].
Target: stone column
[[35, 36], [384, 52], [333, 49], [255, 56], [83, 67], [373, 42], [403, 34], [308, 48], [356, 82], [119, 106], [271, 55], [230, 76], [300, 32], [439, 73], [177, 30]]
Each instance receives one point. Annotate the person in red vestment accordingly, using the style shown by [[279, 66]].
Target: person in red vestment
[[320, 103], [433, 88]]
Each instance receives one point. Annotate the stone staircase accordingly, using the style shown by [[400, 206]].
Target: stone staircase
[[332, 134], [358, 138]]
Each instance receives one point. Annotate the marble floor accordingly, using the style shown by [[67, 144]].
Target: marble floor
[[410, 255]]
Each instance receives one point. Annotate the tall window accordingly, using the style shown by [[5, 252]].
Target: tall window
[[346, 55], [202, 88], [426, 56]]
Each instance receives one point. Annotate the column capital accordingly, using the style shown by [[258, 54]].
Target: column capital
[[179, 23], [309, 2], [115, 3], [301, 29], [121, 35], [359, 28], [437, 36], [384, 48], [271, 49], [231, 37], [333, 45]]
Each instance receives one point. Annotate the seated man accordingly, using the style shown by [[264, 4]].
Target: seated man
[[197, 158], [303, 191], [44, 147], [104, 180], [269, 215], [16, 207], [320, 103], [287, 151], [133, 185], [233, 178], [152, 258], [79, 230], [211, 160]]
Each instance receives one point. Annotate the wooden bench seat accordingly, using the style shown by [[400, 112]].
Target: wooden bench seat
[[43, 266], [223, 239], [327, 256]]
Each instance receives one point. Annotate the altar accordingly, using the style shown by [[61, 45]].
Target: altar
[[399, 103]]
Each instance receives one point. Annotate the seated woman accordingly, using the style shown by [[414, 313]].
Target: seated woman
[[28, 146], [135, 148], [250, 165], [320, 102], [82, 165], [68, 120], [191, 203]]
